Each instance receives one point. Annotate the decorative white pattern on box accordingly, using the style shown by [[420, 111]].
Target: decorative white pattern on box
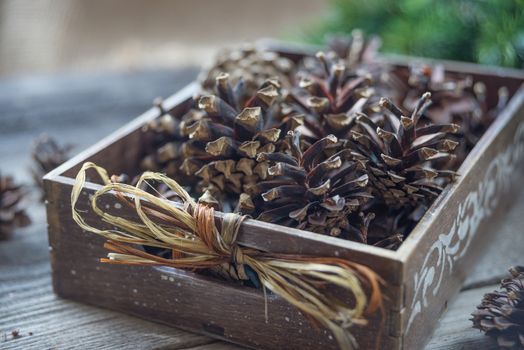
[[478, 206]]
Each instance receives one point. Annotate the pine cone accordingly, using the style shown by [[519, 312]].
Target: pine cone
[[319, 190], [47, 154], [218, 139], [225, 139], [318, 150], [400, 154], [455, 99], [332, 90], [329, 96], [249, 65], [355, 52], [162, 142], [12, 212], [501, 313]]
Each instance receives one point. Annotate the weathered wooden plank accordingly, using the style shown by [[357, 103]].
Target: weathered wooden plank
[[32, 308], [27, 294], [184, 299], [454, 330], [28, 305], [216, 346]]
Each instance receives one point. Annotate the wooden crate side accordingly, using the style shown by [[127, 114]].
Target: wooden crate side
[[280, 239], [446, 243], [186, 300]]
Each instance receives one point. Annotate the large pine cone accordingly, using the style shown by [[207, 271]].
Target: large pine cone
[[329, 96], [401, 154], [12, 214], [501, 313], [319, 189]]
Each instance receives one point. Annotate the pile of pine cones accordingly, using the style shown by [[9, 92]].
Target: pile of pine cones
[[336, 143]]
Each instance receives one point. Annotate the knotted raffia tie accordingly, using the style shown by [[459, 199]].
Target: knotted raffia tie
[[197, 241]]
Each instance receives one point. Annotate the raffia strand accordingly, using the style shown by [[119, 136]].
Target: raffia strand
[[197, 243]]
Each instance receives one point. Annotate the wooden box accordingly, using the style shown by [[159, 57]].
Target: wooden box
[[421, 276]]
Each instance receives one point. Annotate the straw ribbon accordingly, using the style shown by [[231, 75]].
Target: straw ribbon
[[224, 242], [199, 241]]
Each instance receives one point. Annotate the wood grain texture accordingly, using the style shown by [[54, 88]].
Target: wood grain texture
[[26, 291], [29, 305], [454, 331]]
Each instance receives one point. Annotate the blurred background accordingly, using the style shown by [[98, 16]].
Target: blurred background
[[51, 35], [484, 31]]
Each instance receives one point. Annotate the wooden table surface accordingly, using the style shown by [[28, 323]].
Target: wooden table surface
[[82, 108]]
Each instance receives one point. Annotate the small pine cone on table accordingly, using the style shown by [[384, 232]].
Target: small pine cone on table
[[501, 313], [47, 154], [400, 154], [315, 190], [12, 210]]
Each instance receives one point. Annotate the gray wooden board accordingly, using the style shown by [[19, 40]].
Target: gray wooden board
[[454, 331], [83, 108]]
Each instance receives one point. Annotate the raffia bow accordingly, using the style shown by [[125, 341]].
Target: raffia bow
[[198, 242]]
